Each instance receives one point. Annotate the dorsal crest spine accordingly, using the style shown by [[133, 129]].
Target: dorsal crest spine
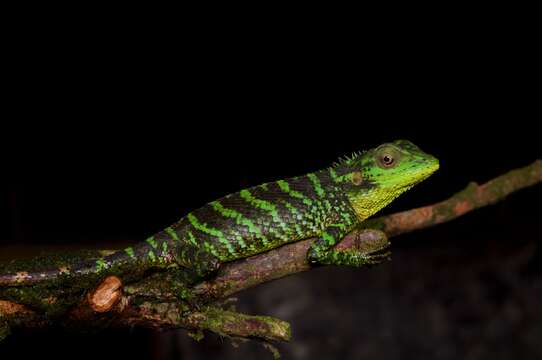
[[348, 160]]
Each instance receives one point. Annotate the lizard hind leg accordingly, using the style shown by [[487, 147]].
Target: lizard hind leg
[[197, 263]]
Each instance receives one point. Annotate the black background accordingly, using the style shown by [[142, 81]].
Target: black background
[[112, 135]]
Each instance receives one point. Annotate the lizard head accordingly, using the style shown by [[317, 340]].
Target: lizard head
[[375, 178]]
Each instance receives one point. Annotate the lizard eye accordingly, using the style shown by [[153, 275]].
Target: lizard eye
[[387, 160], [387, 156]]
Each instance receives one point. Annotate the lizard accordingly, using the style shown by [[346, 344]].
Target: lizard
[[325, 204]]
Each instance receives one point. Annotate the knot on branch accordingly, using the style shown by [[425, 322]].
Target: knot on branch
[[106, 295]]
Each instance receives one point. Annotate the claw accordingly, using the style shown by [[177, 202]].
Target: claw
[[378, 258]]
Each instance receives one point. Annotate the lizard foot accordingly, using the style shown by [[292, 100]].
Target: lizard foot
[[379, 257]]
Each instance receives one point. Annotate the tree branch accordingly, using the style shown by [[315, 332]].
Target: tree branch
[[151, 302]]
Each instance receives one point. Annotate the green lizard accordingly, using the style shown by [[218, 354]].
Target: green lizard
[[326, 204]]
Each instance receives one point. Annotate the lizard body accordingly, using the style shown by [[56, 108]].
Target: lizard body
[[326, 204]]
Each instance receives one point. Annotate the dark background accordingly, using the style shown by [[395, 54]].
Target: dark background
[[113, 134]]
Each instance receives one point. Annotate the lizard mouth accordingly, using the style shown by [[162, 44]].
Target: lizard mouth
[[423, 174]]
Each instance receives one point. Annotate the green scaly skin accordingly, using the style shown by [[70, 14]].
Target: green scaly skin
[[326, 204]]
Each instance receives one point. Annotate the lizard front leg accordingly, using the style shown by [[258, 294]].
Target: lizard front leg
[[322, 250]]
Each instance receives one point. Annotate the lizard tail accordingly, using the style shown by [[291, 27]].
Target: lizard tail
[[23, 278], [128, 261]]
